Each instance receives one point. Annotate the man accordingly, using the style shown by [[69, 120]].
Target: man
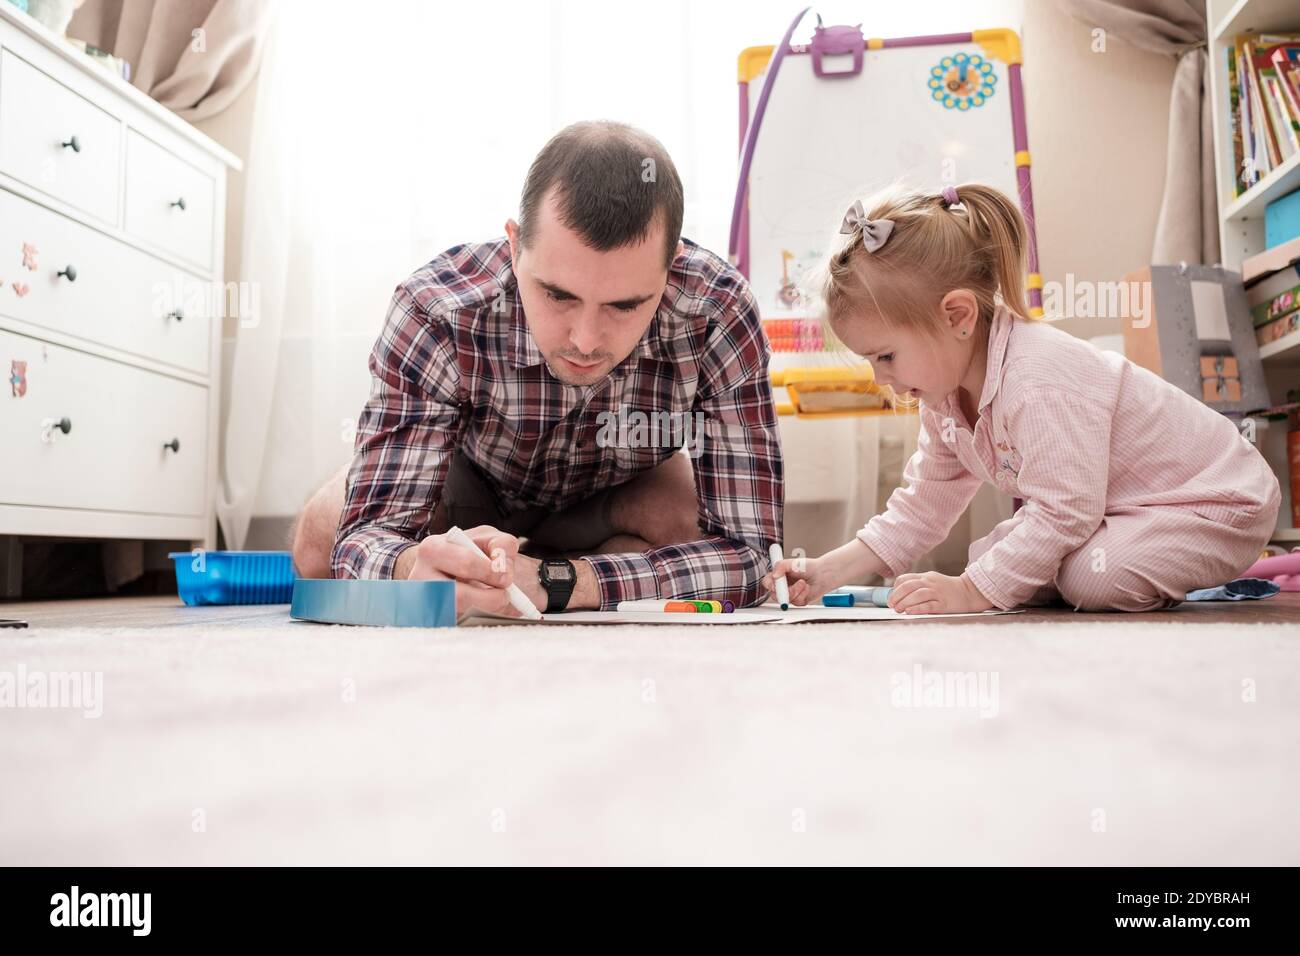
[[591, 382]]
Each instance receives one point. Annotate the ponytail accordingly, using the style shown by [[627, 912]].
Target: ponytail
[[1000, 231]]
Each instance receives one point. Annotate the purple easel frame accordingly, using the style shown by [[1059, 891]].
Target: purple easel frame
[[1020, 138]]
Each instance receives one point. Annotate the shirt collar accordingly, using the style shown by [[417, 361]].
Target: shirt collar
[[999, 335]]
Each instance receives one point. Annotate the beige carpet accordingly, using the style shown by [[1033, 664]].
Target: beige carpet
[[1102, 742]]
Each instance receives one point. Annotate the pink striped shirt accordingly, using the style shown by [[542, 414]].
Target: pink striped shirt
[[1075, 432]]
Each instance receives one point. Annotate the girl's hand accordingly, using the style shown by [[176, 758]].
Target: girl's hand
[[932, 593], [809, 579]]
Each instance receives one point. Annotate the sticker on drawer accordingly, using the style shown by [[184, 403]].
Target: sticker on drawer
[[29, 263], [18, 378]]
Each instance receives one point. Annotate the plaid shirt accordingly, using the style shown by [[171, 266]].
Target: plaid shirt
[[456, 368]]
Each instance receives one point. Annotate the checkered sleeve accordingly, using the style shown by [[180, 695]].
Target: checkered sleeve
[[408, 430], [738, 478]]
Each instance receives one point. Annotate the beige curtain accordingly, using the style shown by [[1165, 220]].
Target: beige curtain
[[192, 56], [1188, 227]]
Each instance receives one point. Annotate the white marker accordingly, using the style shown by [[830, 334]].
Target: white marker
[[782, 586], [517, 597]]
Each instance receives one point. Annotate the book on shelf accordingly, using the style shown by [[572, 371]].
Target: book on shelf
[[1235, 107], [1274, 298], [1263, 265], [1278, 329], [1272, 281], [1286, 64], [1275, 306], [1263, 103]]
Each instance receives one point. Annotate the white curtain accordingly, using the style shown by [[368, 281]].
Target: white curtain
[[384, 134]]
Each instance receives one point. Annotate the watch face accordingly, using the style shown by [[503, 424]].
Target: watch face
[[559, 571]]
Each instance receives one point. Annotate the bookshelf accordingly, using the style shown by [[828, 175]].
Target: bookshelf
[[1228, 19], [1241, 218]]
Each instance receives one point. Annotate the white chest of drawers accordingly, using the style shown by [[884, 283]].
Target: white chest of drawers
[[111, 290]]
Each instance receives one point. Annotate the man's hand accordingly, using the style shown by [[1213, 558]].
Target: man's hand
[[481, 576], [932, 593]]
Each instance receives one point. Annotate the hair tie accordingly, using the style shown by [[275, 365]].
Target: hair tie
[[950, 196], [874, 231]]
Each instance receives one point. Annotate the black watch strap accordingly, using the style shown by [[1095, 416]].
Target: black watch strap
[[558, 578]]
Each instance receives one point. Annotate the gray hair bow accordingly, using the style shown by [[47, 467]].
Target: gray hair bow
[[874, 231]]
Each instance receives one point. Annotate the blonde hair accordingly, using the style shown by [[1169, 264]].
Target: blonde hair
[[934, 247]]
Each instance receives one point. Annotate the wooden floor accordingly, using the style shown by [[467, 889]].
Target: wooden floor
[[170, 612]]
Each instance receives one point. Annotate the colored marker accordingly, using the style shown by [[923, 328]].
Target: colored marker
[[517, 597], [683, 606], [852, 596], [675, 607], [782, 586]]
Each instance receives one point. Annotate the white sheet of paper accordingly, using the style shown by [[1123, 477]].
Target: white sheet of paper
[[767, 614]]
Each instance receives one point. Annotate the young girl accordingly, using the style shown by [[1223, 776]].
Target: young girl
[[1134, 492]]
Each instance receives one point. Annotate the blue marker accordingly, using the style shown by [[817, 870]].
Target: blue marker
[[853, 596]]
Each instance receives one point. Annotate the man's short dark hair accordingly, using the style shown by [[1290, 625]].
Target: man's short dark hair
[[613, 183]]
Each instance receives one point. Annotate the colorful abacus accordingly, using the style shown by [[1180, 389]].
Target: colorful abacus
[[795, 335]]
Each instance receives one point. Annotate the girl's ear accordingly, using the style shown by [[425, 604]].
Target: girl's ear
[[961, 312]]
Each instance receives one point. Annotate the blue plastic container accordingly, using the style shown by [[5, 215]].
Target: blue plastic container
[[234, 577]]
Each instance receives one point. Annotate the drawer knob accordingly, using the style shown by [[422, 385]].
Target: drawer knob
[[180, 204], [70, 272], [174, 444], [50, 426], [74, 143], [178, 315]]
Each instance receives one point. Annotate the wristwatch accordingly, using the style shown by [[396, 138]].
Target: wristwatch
[[558, 578]]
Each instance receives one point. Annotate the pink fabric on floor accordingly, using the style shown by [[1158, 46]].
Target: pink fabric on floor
[[1282, 568], [1142, 559]]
